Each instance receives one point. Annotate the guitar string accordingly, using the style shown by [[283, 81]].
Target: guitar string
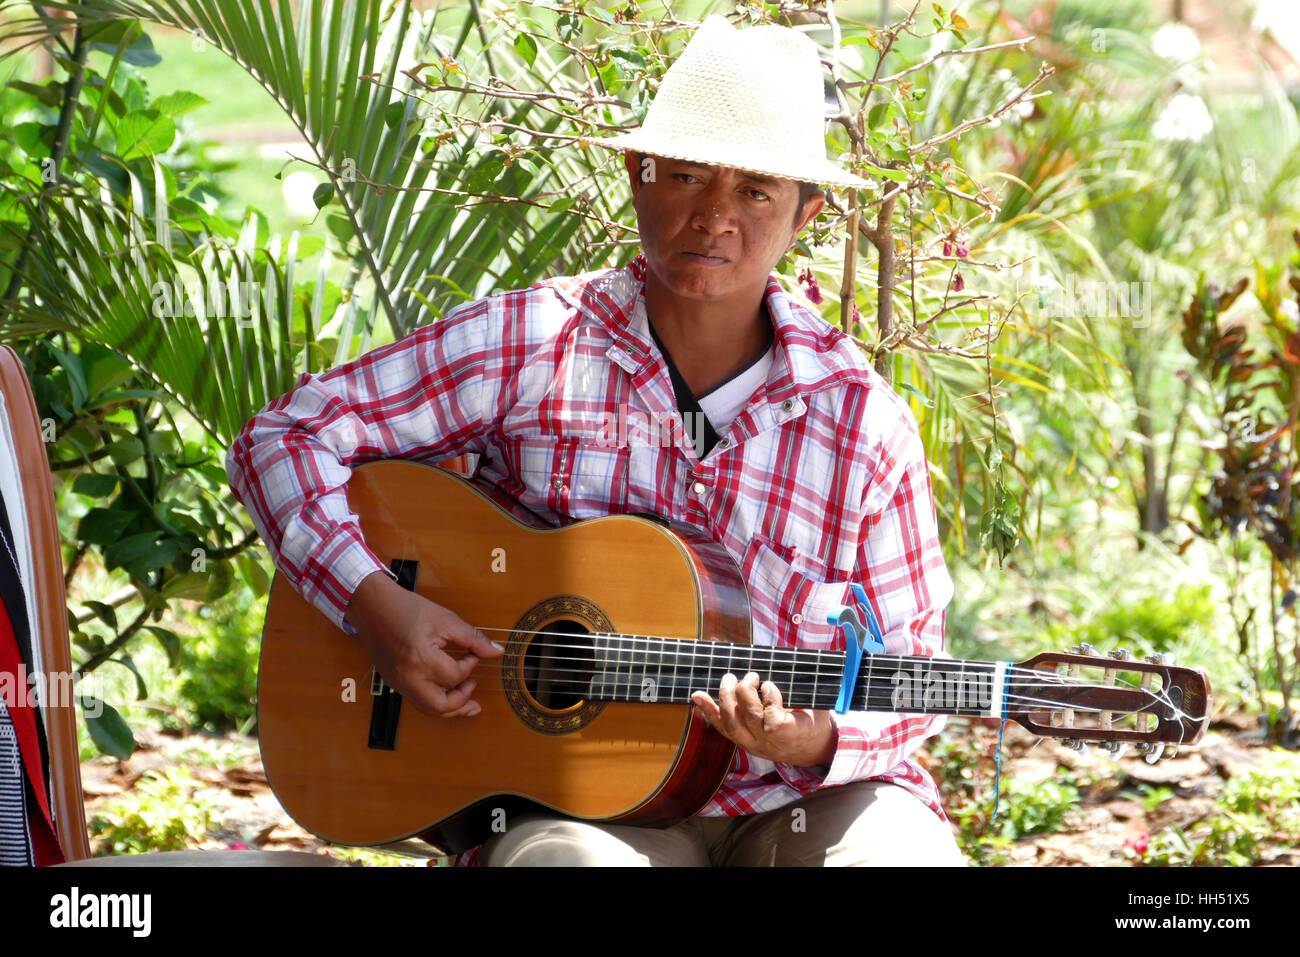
[[589, 670], [821, 668], [883, 702], [818, 673]]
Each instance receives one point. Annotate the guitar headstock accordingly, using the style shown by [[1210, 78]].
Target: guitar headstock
[[1113, 700]]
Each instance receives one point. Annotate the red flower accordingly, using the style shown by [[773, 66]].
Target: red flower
[[962, 251], [857, 316], [958, 284], [1138, 845], [947, 248], [811, 289], [238, 846]]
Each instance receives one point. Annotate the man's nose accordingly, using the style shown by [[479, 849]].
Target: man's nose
[[715, 210]]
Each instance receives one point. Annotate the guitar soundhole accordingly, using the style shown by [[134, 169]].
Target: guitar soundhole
[[557, 665], [547, 668]]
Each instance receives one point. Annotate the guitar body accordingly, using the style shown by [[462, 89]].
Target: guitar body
[[352, 765]]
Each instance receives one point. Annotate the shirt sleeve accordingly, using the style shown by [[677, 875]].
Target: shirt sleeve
[[901, 567], [420, 398]]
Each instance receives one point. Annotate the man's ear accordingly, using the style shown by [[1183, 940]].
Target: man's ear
[[811, 208], [816, 202]]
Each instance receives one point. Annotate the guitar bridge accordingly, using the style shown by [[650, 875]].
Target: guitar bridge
[[386, 704]]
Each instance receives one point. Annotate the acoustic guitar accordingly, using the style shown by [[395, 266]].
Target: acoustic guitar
[[609, 625]]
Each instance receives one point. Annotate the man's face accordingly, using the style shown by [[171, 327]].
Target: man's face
[[713, 233]]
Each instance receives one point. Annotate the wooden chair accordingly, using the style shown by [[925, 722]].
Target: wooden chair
[[50, 632]]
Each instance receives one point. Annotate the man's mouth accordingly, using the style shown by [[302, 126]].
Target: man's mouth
[[705, 260]]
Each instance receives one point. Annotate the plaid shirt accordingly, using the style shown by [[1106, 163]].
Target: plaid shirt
[[821, 479]]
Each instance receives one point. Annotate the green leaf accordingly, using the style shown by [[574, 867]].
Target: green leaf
[[221, 578], [526, 47], [71, 364], [51, 94], [145, 133], [633, 58], [139, 53], [104, 369], [103, 612], [322, 194], [192, 585], [94, 485], [170, 641], [178, 103], [108, 168], [920, 396], [137, 553], [141, 689], [104, 526], [881, 114], [309, 246], [125, 450], [107, 728], [340, 226], [255, 574], [897, 175], [611, 78]]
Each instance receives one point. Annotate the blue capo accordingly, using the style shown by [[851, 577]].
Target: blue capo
[[857, 641]]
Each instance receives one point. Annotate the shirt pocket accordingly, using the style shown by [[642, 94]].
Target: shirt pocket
[[792, 596], [569, 477]]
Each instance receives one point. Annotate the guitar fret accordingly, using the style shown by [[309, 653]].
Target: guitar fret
[[638, 689], [816, 678], [659, 675], [624, 671], [675, 693], [636, 670]]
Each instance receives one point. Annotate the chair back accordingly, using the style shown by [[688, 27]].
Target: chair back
[[50, 628]]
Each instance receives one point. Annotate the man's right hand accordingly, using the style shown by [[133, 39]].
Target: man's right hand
[[407, 636]]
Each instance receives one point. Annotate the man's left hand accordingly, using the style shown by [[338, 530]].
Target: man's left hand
[[754, 717]]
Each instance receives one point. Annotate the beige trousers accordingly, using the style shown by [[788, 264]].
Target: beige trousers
[[865, 824]]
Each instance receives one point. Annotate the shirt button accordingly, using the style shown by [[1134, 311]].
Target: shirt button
[[557, 482], [723, 443], [788, 404], [797, 618], [698, 488]]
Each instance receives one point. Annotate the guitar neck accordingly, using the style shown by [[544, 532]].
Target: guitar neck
[[669, 670]]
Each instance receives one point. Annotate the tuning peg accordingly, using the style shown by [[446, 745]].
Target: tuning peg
[[1150, 752], [1161, 658], [1123, 654], [1114, 748], [1074, 744]]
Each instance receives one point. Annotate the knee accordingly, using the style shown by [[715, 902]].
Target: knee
[[555, 842]]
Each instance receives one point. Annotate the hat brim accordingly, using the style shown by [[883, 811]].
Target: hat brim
[[821, 172]]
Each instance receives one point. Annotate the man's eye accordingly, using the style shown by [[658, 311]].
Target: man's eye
[[683, 177], [758, 194]]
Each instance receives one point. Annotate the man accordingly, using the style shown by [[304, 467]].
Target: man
[[800, 460]]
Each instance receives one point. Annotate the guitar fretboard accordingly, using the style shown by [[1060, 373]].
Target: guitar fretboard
[[667, 670]]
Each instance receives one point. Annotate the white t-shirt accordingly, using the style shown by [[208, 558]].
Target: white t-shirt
[[724, 402]]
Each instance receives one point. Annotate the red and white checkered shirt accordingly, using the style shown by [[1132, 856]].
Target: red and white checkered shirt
[[821, 479]]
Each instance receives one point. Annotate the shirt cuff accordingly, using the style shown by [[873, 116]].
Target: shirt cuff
[[336, 570]]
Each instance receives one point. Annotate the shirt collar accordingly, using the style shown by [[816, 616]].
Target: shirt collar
[[809, 355]]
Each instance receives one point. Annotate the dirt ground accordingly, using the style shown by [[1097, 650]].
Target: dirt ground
[[229, 780]]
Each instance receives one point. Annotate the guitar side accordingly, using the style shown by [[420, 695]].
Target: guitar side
[[350, 770]]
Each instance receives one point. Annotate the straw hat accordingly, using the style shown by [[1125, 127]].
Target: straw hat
[[750, 99]]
